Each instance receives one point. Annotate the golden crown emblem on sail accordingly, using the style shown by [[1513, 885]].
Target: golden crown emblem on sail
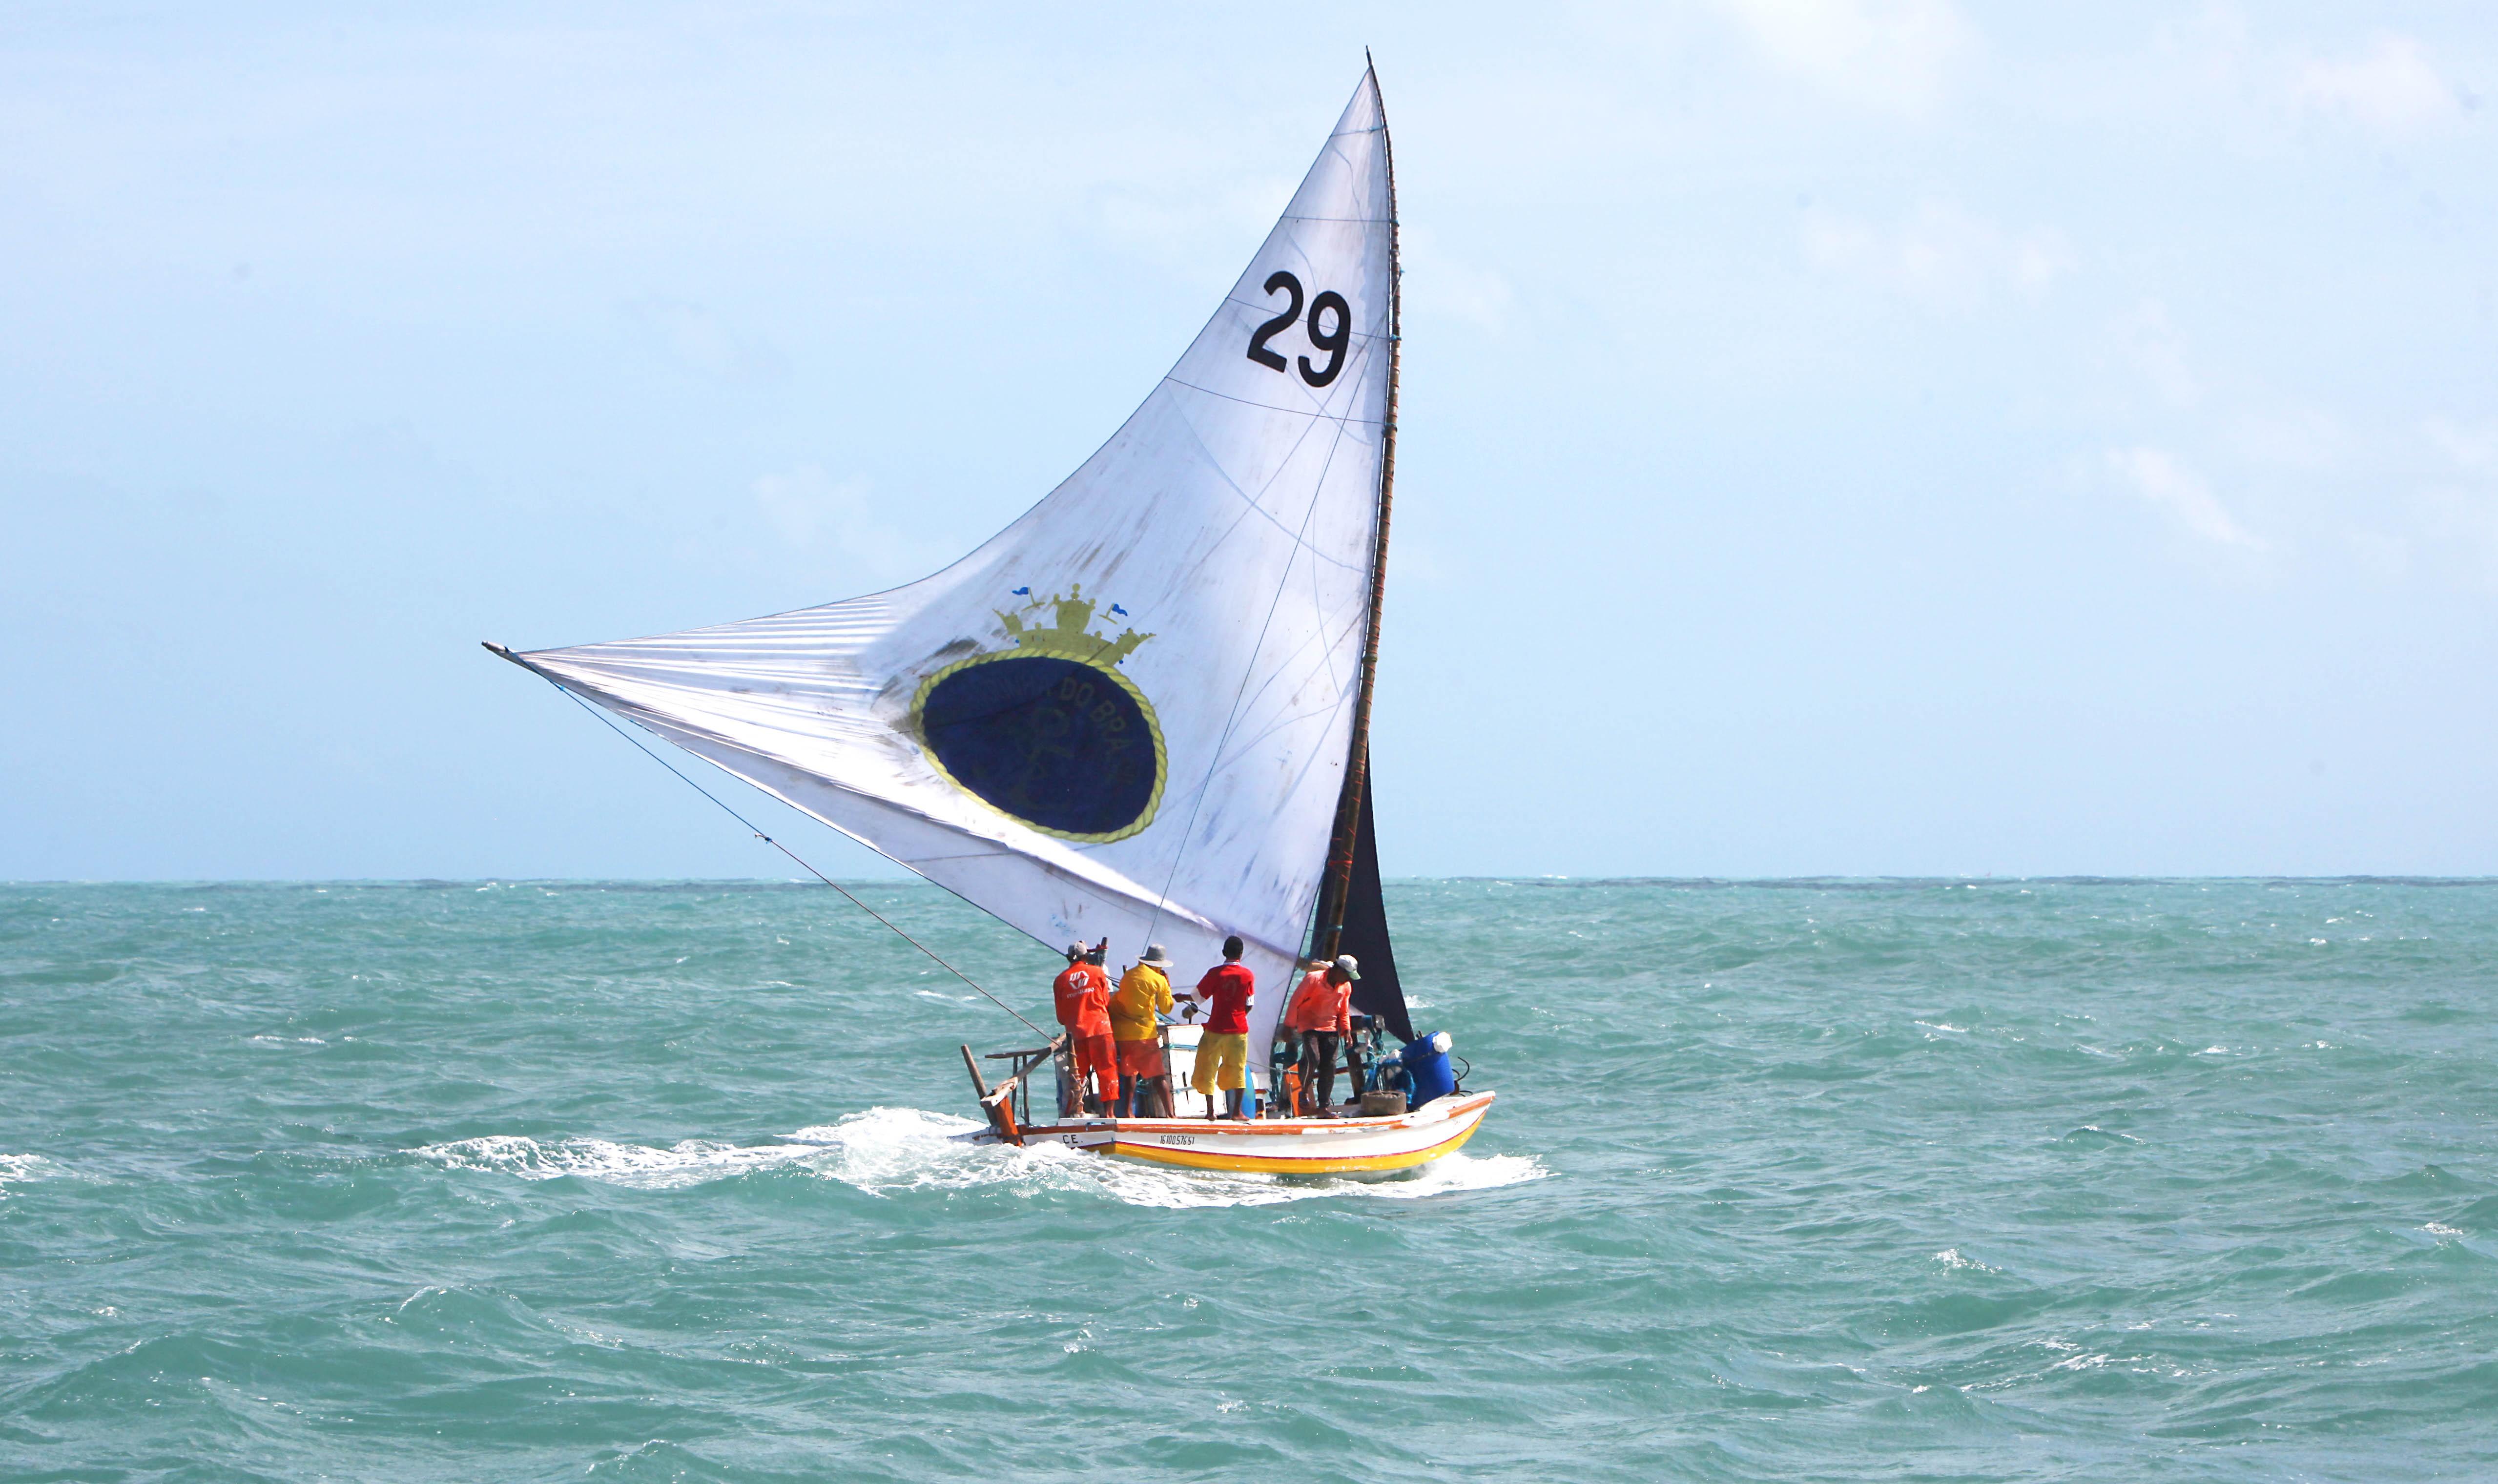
[[1049, 732], [1066, 634]]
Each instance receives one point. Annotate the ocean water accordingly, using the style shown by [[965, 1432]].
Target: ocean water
[[1805, 1180]]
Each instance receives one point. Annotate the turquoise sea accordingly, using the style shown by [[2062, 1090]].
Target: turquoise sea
[[1793, 1181]]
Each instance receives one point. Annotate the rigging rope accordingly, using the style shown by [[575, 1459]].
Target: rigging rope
[[610, 723]]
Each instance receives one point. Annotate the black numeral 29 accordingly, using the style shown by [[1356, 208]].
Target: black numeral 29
[[1331, 339]]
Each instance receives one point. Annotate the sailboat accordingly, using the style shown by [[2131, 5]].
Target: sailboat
[[1141, 712]]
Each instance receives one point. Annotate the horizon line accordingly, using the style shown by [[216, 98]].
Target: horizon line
[[1530, 879]]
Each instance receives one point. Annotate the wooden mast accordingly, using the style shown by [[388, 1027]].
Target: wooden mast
[[1336, 886]]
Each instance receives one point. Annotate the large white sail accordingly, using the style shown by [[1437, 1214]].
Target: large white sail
[[1128, 715]]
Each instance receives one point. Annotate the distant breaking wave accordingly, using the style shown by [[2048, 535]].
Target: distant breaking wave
[[18, 1169]]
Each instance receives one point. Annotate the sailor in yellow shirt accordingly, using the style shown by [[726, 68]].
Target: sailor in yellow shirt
[[1143, 996]]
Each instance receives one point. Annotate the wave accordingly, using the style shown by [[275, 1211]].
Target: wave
[[890, 1152], [18, 1169], [638, 1167], [887, 1150]]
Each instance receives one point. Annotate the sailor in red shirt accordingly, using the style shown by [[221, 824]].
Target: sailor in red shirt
[[1083, 994], [1223, 1051]]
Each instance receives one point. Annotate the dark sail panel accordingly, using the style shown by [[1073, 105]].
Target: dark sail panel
[[1366, 936]]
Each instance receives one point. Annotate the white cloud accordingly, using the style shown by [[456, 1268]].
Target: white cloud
[[2462, 526], [2305, 438], [2183, 495], [1941, 253], [1425, 563], [2383, 556], [2159, 352], [2391, 87], [2474, 450], [1435, 282], [1896, 55], [810, 512], [1178, 219], [700, 341], [2462, 510]]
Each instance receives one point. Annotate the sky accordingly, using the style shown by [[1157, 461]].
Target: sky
[[1837, 437]]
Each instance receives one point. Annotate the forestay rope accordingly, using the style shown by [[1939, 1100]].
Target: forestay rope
[[610, 723]]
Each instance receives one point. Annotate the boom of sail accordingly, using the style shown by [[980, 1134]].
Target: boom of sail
[[1137, 712]]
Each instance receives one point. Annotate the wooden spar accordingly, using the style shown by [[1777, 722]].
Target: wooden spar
[[1336, 886], [999, 1102], [996, 1104], [1000, 1106]]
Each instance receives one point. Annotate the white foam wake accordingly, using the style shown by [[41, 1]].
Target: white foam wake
[[885, 1151], [689, 1162], [18, 1169], [888, 1151]]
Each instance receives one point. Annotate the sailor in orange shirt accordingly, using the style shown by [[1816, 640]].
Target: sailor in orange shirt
[[1083, 994], [1321, 1015]]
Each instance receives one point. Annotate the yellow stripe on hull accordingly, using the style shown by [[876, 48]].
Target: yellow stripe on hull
[[1257, 1164]]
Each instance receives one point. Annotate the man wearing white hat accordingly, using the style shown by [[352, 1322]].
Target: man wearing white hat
[[1145, 996], [1321, 1015]]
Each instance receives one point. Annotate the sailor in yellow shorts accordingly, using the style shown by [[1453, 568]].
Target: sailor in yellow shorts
[[1223, 1053], [1136, 1024]]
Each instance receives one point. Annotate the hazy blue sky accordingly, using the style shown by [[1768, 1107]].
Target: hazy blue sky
[[1839, 436]]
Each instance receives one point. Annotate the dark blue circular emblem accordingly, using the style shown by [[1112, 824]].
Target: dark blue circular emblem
[[1063, 746]]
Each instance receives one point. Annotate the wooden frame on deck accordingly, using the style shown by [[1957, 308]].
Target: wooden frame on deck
[[999, 1102]]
